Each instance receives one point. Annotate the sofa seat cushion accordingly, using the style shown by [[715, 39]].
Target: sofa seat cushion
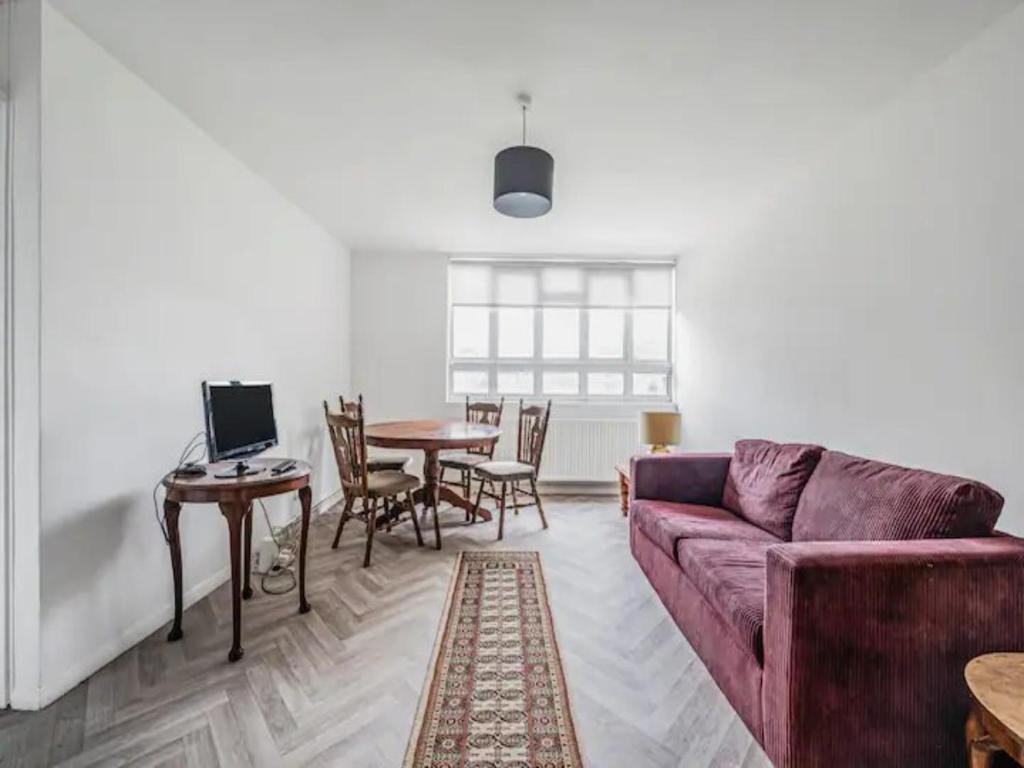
[[765, 482], [666, 522], [853, 499], [730, 575]]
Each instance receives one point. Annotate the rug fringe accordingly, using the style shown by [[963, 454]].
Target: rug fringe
[[421, 708]]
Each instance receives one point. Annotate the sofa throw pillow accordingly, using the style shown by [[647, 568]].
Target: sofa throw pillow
[[765, 482], [853, 499]]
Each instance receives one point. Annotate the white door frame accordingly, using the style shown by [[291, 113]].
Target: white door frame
[[5, 443], [20, 303], [5, 522]]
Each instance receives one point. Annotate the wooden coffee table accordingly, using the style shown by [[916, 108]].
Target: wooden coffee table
[[623, 472], [996, 721]]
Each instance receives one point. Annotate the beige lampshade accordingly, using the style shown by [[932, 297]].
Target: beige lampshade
[[660, 428]]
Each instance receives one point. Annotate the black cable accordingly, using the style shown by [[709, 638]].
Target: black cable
[[277, 569], [274, 573], [183, 459], [266, 519]]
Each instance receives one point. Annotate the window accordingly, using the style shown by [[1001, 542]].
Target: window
[[571, 330]]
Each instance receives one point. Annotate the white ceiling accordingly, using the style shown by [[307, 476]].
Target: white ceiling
[[381, 117]]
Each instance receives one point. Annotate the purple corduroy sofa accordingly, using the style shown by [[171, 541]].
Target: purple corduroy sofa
[[835, 600]]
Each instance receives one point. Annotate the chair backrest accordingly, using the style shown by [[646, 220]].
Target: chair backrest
[[349, 441], [533, 428], [484, 413]]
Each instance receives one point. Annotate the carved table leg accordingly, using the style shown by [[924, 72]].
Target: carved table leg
[[234, 514], [452, 497], [247, 562], [433, 493], [981, 749], [171, 510], [305, 498], [431, 476]]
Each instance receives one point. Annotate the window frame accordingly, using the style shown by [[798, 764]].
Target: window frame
[[537, 364]]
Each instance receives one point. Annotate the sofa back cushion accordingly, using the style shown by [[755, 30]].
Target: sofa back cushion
[[850, 498], [765, 481]]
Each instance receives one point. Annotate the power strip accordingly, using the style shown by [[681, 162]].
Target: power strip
[[266, 554]]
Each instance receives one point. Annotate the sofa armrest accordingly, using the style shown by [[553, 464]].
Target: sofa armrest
[[866, 642], [686, 478]]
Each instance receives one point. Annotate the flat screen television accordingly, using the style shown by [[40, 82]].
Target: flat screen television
[[239, 418]]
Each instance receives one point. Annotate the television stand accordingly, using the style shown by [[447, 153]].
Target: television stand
[[236, 499], [241, 469]]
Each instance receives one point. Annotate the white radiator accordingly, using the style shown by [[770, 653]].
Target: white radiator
[[580, 450]]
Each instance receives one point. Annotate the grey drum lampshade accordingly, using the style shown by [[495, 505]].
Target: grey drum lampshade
[[522, 181]]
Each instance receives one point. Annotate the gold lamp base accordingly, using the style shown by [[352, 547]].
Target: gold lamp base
[[660, 430]]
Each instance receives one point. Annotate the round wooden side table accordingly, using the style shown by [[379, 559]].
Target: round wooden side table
[[234, 496], [996, 721]]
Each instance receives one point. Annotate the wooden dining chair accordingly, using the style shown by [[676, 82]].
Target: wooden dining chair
[[463, 463], [349, 440], [532, 431], [377, 462]]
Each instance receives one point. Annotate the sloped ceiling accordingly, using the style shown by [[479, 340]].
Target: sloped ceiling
[[381, 118]]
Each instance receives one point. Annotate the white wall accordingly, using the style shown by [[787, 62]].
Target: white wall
[[874, 301], [165, 262], [399, 334]]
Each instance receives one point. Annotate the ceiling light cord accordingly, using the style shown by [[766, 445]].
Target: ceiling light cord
[[524, 125]]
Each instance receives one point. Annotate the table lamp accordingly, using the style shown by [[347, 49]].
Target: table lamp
[[660, 429]]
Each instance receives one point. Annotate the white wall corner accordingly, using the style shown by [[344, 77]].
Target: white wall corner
[[22, 359], [83, 668]]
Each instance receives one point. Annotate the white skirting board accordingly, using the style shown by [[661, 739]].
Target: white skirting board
[[574, 488], [78, 670]]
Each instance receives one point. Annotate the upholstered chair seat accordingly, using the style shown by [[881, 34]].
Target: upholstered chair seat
[[505, 470], [390, 483], [463, 460], [384, 463]]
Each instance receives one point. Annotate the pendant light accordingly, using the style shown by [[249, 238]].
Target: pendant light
[[523, 177]]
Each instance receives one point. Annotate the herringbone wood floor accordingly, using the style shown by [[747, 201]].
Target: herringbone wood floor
[[339, 686]]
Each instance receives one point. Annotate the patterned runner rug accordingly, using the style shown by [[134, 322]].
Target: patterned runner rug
[[496, 693]]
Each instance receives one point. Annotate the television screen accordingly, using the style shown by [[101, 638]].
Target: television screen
[[239, 418]]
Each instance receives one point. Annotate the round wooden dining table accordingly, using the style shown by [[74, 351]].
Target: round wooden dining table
[[433, 436]]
